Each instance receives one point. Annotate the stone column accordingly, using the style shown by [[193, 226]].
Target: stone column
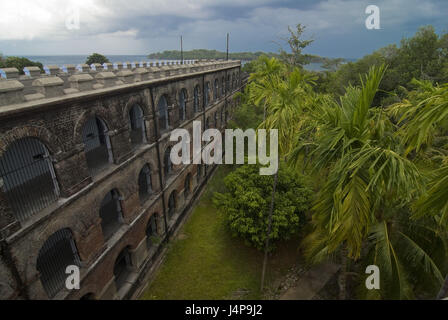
[[121, 146], [71, 171]]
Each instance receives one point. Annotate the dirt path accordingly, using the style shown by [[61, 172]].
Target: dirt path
[[311, 282]]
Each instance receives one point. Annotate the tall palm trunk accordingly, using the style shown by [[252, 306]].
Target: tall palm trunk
[[443, 293], [342, 280], [271, 211]]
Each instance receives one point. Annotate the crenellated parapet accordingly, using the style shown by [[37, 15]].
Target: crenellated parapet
[[70, 79]]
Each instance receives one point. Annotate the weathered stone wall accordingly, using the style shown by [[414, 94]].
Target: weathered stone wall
[[57, 122]]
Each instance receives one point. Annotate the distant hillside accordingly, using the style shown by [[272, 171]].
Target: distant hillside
[[208, 54]]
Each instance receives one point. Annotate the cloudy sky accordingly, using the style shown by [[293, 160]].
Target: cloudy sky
[[48, 27]]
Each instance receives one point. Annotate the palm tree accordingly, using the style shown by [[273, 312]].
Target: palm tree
[[281, 95], [366, 179], [424, 120]]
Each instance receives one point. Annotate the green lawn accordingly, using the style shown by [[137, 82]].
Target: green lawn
[[206, 262]]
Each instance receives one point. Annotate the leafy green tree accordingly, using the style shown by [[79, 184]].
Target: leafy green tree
[[423, 56], [19, 63], [248, 199], [296, 43], [96, 58]]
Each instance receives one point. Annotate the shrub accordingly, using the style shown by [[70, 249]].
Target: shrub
[[96, 58], [246, 204], [19, 63]]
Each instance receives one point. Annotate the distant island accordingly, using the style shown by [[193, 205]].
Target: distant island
[[245, 56], [209, 54]]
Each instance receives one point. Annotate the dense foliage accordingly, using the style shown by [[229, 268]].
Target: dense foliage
[[96, 58], [423, 56], [19, 63], [247, 200], [376, 140]]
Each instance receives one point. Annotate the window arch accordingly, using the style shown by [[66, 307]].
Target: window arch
[[196, 99], [97, 144], [167, 164], [29, 180], [144, 183], [122, 267], [187, 186], [172, 202], [57, 253], [206, 94], [216, 90], [183, 104], [137, 125], [151, 229], [162, 108], [111, 213]]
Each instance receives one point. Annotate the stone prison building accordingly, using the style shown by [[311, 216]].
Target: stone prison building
[[85, 173]]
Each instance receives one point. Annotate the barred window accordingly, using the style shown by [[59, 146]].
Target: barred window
[[144, 183], [111, 213], [28, 176], [56, 254], [97, 145], [137, 126]]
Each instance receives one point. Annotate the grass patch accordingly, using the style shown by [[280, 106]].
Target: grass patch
[[206, 262]]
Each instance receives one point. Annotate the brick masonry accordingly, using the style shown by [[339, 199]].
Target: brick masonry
[[58, 123]]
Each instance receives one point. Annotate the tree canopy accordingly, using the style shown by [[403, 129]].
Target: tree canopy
[[247, 200], [96, 58], [19, 63]]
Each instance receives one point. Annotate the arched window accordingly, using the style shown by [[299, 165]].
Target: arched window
[[111, 213], [167, 164], [171, 204], [223, 86], [96, 145], [122, 267], [206, 94], [187, 186], [151, 229], [216, 90], [162, 108], [137, 126], [196, 99], [28, 177], [57, 253], [144, 183], [183, 104]]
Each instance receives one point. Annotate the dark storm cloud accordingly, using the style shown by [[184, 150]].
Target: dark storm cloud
[[142, 26]]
